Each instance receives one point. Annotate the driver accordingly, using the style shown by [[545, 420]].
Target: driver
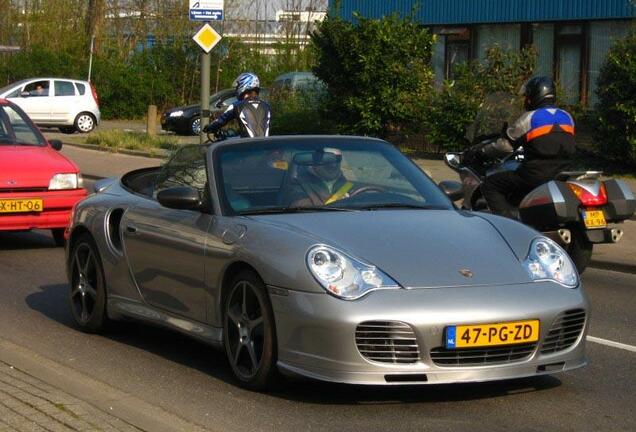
[[547, 136], [252, 113], [323, 182]]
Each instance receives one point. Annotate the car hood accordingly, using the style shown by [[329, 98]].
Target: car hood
[[31, 166], [417, 248]]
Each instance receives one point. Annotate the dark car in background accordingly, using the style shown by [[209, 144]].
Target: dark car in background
[[186, 120]]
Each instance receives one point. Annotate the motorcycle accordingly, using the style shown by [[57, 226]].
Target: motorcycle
[[577, 209]]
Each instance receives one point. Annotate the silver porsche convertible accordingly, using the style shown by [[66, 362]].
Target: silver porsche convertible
[[329, 257]]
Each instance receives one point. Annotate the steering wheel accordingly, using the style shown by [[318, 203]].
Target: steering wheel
[[365, 189]]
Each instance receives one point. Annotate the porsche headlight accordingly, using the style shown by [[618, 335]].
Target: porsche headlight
[[65, 181], [548, 261], [344, 276], [176, 113]]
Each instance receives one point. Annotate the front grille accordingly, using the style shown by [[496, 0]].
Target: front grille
[[23, 190], [565, 331], [387, 342], [479, 356]]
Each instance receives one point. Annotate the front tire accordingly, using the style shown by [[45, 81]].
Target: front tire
[[87, 294], [249, 332], [85, 122], [580, 250]]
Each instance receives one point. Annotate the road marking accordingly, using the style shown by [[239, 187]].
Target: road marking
[[631, 348]]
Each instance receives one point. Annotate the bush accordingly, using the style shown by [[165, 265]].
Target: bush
[[453, 108], [615, 135], [117, 140], [378, 73], [299, 112]]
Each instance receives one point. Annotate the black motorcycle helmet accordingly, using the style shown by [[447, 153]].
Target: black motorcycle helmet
[[539, 91]]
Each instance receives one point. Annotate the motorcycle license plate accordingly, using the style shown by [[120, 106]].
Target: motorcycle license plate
[[20, 205], [481, 335], [594, 219]]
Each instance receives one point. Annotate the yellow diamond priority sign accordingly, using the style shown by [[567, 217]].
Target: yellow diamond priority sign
[[207, 38]]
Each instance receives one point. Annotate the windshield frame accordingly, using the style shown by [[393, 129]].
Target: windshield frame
[[412, 172], [42, 141]]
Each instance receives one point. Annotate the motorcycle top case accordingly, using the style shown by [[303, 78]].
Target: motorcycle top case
[[549, 205], [621, 203]]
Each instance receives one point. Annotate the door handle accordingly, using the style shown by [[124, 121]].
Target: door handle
[[131, 229]]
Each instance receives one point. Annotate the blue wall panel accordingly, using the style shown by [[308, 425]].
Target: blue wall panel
[[432, 12]]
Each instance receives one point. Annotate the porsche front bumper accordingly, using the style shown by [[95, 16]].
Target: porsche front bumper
[[317, 333]]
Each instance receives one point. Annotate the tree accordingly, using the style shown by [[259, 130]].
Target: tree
[[615, 135], [378, 72]]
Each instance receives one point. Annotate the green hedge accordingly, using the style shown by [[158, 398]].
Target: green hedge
[[615, 135], [378, 73]]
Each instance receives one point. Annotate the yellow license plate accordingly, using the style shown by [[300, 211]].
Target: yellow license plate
[[594, 219], [21, 205], [483, 335]]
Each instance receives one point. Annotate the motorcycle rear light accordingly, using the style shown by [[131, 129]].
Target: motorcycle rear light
[[587, 198], [94, 94]]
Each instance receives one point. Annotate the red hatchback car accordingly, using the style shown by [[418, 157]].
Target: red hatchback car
[[38, 185]]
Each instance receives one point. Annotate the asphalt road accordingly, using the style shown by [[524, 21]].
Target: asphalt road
[[193, 381]]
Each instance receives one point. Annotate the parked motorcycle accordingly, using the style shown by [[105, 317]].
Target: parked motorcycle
[[577, 209]]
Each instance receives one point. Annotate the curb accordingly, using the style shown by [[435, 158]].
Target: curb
[[102, 396], [158, 154]]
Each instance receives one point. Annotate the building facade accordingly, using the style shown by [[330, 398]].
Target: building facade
[[572, 37]]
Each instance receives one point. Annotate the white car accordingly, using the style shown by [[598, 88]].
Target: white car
[[71, 105]]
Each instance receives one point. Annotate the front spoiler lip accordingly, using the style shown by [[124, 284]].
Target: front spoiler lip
[[451, 376]]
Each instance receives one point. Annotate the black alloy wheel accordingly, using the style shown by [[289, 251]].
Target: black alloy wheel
[[249, 334], [87, 294]]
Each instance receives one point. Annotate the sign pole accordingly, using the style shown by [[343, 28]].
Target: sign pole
[[205, 94], [206, 38]]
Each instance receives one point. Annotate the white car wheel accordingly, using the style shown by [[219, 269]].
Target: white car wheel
[[85, 122]]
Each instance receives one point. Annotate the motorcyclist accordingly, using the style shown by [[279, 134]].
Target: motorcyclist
[[547, 136], [252, 113]]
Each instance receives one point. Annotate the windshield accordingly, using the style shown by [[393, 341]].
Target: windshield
[[16, 130], [11, 86], [321, 174], [496, 110]]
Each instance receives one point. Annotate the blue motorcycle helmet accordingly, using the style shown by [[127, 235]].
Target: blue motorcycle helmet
[[246, 82]]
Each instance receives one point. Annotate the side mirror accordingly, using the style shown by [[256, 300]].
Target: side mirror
[[25, 94], [56, 144], [453, 189], [180, 198], [453, 160]]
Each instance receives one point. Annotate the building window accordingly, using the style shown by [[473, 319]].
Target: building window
[[457, 49], [505, 36], [602, 35], [543, 41], [570, 61]]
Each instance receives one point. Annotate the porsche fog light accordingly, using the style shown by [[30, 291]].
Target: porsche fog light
[[176, 113], [343, 276], [65, 181], [548, 261]]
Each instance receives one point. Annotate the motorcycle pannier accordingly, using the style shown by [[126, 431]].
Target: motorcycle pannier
[[550, 204], [621, 203]]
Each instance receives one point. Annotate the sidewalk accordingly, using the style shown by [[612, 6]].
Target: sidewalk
[[32, 399], [29, 404], [97, 164]]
